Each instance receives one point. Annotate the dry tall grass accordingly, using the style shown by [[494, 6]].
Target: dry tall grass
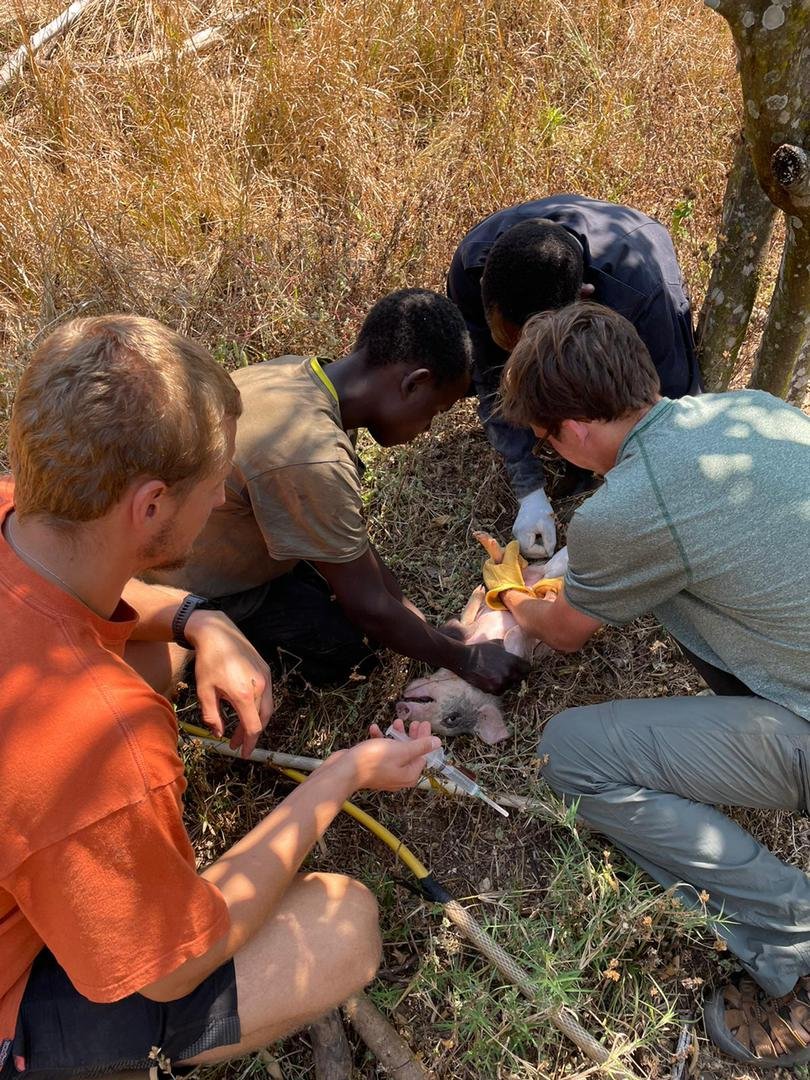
[[263, 196]]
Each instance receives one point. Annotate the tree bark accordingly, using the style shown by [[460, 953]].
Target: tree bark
[[331, 1055], [388, 1046], [773, 48], [800, 386], [785, 344], [745, 231]]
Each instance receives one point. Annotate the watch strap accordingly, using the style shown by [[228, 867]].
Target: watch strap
[[191, 604]]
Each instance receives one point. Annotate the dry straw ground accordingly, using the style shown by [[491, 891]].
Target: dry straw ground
[[262, 197]]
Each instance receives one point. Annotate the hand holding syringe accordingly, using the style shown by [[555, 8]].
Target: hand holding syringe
[[439, 767]]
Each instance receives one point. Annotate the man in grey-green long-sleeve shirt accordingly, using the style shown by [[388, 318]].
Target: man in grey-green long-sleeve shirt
[[703, 520]]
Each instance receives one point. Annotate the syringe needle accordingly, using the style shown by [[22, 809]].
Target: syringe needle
[[493, 804], [449, 773]]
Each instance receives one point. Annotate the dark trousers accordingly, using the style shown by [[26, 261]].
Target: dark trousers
[[721, 682], [297, 625]]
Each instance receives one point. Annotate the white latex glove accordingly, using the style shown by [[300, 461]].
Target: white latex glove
[[557, 564], [535, 518]]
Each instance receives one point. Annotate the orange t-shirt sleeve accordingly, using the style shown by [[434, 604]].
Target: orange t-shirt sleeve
[[120, 903]]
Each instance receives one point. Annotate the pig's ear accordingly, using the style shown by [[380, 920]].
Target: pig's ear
[[490, 725]]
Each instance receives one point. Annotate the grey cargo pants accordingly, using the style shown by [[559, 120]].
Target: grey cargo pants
[[647, 775]]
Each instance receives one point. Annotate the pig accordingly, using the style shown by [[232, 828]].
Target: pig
[[453, 706]]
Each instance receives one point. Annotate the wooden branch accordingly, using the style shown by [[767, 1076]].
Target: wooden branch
[[200, 42], [15, 63], [387, 1045], [197, 44], [330, 1048]]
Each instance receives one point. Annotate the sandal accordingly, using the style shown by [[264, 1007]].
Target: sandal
[[749, 1026]]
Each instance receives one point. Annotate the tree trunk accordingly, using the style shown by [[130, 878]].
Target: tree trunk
[[745, 231], [785, 344], [773, 48], [800, 387]]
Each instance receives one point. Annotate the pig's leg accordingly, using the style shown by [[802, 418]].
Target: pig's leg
[[517, 643], [460, 628], [534, 573], [473, 606], [490, 545]]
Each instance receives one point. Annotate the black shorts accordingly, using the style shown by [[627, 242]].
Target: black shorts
[[297, 625], [62, 1034]]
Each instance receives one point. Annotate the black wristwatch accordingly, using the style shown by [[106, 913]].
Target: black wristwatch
[[191, 604]]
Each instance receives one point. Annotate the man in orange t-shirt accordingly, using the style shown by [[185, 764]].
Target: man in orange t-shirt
[[114, 950]]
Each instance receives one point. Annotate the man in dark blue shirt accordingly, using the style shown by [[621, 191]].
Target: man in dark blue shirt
[[545, 254]]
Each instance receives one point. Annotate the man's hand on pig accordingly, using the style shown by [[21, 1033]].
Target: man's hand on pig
[[534, 527], [361, 592], [491, 668]]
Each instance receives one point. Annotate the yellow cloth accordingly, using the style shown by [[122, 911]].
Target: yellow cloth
[[508, 574]]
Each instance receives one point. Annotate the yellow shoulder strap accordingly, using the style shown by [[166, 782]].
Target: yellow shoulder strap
[[315, 364]]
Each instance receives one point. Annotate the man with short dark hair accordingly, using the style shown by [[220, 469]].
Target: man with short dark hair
[[542, 255], [115, 952], [715, 546], [288, 556]]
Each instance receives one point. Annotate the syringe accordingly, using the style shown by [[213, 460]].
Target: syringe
[[436, 763]]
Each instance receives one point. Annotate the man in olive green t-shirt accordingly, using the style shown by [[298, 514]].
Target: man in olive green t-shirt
[[288, 556], [703, 520]]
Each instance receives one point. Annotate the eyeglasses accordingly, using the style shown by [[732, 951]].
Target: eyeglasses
[[541, 446]]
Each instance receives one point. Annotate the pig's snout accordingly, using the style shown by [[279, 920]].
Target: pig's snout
[[417, 708]]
